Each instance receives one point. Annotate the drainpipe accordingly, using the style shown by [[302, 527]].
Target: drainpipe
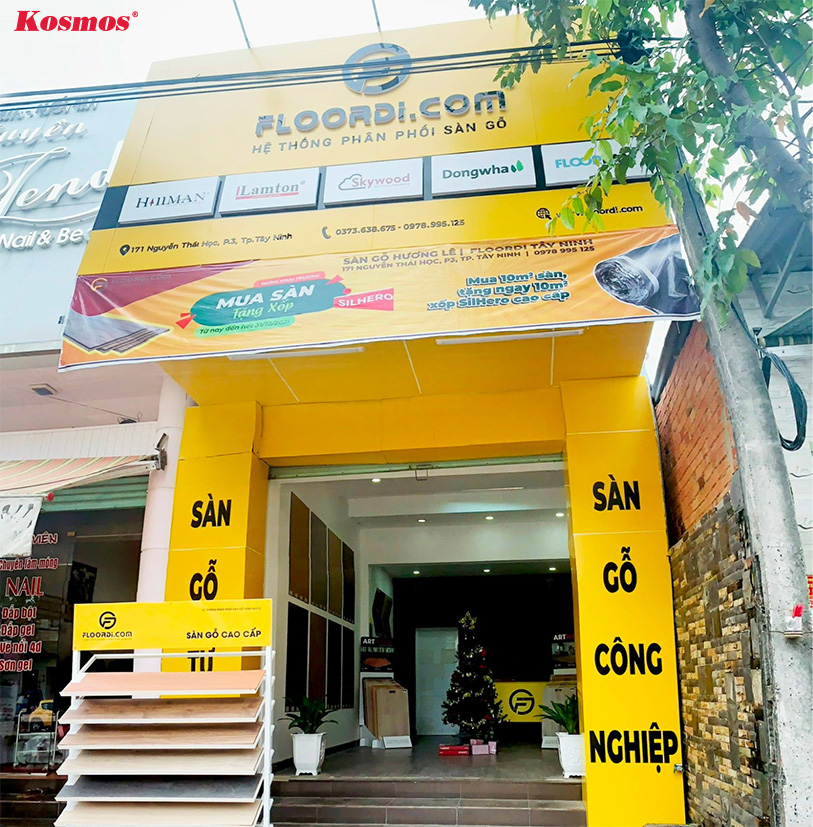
[[152, 569], [787, 662]]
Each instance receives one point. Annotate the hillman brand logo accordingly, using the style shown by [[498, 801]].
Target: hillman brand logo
[[171, 200], [27, 21], [478, 172]]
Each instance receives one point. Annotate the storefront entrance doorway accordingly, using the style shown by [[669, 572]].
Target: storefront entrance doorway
[[418, 549]]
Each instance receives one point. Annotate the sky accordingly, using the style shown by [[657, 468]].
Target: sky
[[166, 29], [177, 28]]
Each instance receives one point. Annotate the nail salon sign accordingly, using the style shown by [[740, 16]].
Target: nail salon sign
[[55, 165]]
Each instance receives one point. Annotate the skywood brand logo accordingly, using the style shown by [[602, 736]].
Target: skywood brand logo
[[30, 21], [478, 172], [359, 182]]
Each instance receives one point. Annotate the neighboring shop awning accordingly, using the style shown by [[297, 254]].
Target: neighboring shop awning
[[40, 477]]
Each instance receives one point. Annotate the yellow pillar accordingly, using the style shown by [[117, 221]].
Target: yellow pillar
[[628, 688], [217, 541]]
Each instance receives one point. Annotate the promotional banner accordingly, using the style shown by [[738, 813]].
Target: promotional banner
[[391, 294], [229, 624]]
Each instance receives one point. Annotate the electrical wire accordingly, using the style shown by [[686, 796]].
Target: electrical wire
[[377, 21], [240, 19], [797, 396], [492, 58]]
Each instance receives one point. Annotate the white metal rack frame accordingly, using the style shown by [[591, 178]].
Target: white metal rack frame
[[131, 783]]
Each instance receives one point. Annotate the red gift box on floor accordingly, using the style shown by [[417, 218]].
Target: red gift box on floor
[[453, 749]]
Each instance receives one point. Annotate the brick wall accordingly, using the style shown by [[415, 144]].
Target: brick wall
[[715, 608], [697, 446], [720, 676]]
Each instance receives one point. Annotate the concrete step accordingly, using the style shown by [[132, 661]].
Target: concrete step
[[428, 810], [556, 789]]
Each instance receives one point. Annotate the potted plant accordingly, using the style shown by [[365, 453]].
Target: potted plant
[[309, 744], [571, 742]]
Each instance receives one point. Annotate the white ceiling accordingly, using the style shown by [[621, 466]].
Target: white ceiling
[[105, 394], [478, 569], [453, 496]]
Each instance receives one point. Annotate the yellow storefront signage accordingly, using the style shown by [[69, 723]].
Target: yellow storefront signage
[[230, 624], [521, 700], [626, 658], [398, 183]]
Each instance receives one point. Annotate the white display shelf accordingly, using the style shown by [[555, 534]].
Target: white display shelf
[[170, 711], [97, 814], [212, 789], [137, 758], [155, 737], [163, 763]]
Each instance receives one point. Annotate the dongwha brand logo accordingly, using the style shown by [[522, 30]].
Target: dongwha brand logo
[[35, 21], [479, 172], [376, 69]]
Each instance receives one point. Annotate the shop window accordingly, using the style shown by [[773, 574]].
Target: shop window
[[348, 668], [296, 668], [319, 575], [335, 574], [299, 550], [317, 660], [334, 664], [349, 576]]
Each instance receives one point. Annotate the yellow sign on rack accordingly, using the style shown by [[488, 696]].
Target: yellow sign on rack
[[174, 625]]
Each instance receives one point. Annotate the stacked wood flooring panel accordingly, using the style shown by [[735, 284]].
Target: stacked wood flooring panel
[[143, 753]]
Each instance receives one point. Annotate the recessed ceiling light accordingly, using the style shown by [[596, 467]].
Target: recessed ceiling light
[[486, 571], [376, 479], [43, 389], [416, 571], [560, 513], [421, 520], [552, 568], [489, 517]]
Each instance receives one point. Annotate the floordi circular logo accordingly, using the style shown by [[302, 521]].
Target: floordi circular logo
[[521, 702], [376, 69], [107, 620]]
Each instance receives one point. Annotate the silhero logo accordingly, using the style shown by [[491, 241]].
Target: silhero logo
[[376, 69], [29, 21]]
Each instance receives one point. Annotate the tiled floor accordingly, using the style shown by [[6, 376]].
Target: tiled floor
[[514, 762]]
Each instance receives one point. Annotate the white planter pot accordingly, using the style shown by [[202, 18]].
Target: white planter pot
[[571, 754], [309, 753]]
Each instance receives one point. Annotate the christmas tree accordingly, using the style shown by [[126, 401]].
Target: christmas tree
[[471, 702]]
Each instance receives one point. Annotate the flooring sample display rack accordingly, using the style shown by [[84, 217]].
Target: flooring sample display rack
[[167, 749]]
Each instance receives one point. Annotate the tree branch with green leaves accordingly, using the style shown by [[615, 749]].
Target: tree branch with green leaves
[[708, 88]]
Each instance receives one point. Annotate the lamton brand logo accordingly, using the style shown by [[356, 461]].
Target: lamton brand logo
[[34, 21]]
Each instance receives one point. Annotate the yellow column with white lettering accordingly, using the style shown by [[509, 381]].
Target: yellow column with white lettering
[[217, 541], [626, 650]]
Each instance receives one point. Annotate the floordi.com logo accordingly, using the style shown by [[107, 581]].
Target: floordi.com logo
[[34, 20]]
